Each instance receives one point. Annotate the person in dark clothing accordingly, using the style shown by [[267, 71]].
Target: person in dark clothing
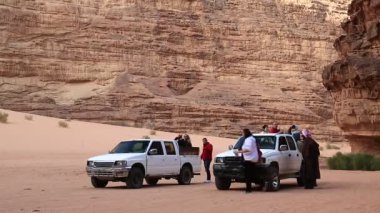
[[206, 156], [181, 141], [186, 137], [310, 165], [293, 130]]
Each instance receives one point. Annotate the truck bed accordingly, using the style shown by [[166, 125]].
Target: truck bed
[[189, 151]]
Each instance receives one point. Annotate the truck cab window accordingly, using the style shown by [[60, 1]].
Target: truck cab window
[[157, 145], [169, 147], [291, 143], [282, 141]]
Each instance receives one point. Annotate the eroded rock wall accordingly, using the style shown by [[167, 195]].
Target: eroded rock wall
[[210, 66], [354, 80]]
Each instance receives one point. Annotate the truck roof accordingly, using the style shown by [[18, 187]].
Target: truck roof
[[272, 134]]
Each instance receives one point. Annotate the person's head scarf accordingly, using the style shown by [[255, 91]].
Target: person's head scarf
[[306, 133]]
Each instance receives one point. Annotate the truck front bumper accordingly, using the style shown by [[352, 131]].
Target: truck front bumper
[[229, 171], [236, 172], [107, 173]]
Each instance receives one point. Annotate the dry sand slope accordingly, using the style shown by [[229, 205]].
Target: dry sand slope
[[43, 170]]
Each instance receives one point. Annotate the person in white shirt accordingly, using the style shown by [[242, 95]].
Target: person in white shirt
[[250, 154]]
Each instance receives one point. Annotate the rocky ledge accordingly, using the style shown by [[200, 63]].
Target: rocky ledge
[[354, 80], [205, 66]]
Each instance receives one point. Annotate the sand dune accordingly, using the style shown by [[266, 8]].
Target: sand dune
[[43, 170]]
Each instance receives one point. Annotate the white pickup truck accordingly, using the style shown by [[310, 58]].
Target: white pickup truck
[[132, 161], [281, 159]]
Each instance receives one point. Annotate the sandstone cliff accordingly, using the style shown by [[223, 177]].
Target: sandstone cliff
[[354, 80], [209, 66]]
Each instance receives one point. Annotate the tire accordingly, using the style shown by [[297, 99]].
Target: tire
[[222, 183], [185, 176], [98, 183], [151, 181], [273, 182], [135, 178]]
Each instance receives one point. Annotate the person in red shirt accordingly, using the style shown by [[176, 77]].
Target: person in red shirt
[[274, 128], [206, 156]]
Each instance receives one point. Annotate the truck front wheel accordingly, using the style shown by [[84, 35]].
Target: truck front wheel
[[98, 183], [185, 176], [135, 178], [273, 181], [222, 183]]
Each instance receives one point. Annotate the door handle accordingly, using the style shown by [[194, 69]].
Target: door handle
[[290, 155], [298, 155]]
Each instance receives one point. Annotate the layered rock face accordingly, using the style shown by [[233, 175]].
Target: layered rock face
[[211, 66], [354, 80]]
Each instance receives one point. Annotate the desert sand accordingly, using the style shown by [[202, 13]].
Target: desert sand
[[43, 170]]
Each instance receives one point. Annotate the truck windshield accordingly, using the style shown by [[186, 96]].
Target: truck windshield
[[130, 147], [265, 142]]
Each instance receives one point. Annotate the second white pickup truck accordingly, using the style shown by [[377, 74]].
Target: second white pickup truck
[[132, 161], [281, 159]]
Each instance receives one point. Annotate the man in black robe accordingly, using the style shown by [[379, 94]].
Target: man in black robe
[[310, 166]]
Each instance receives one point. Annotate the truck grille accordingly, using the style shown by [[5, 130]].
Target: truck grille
[[103, 164], [102, 173], [233, 159]]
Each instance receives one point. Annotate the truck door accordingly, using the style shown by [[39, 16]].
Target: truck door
[[284, 161], [172, 162], [155, 162], [295, 157]]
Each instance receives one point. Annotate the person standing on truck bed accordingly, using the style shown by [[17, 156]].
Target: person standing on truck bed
[[181, 141], [186, 137], [274, 128], [264, 129], [250, 155], [206, 156]]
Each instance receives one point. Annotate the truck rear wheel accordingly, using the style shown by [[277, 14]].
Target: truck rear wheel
[[98, 183], [273, 181], [135, 178], [151, 181], [185, 176], [222, 183]]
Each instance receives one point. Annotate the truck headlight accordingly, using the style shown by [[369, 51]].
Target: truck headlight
[[219, 160], [90, 163], [120, 163]]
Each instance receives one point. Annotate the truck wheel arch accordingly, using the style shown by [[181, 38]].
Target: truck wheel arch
[[185, 174], [275, 165], [140, 166], [188, 165]]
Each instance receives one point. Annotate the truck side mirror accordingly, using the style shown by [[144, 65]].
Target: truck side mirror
[[230, 147], [283, 147], [153, 152]]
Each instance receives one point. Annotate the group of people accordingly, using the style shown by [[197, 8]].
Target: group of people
[[270, 129], [250, 151], [184, 141], [293, 130], [309, 171]]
